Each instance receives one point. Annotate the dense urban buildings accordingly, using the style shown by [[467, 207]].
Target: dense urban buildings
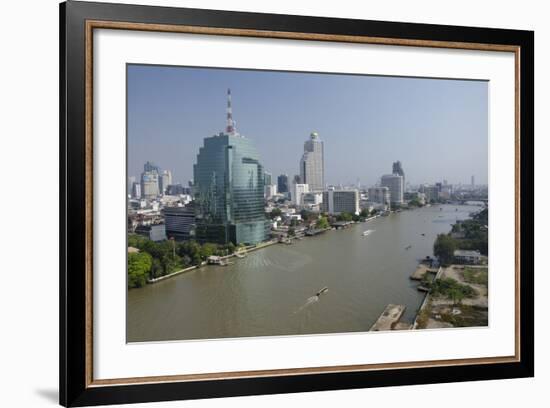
[[229, 189], [312, 167], [339, 201], [394, 182]]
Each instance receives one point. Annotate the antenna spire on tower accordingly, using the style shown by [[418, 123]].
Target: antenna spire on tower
[[230, 128]]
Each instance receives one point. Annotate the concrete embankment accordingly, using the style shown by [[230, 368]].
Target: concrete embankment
[[170, 275], [389, 318]]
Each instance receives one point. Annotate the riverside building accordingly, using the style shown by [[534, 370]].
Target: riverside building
[[179, 222], [229, 189], [338, 201], [394, 182], [379, 196]]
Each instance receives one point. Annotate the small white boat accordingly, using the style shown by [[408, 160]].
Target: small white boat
[[367, 232]]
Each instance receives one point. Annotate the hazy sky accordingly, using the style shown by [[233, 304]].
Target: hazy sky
[[437, 128]]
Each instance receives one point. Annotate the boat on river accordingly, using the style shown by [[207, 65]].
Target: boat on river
[[324, 290], [367, 232]]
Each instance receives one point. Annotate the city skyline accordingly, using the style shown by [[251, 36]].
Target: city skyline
[[167, 127]]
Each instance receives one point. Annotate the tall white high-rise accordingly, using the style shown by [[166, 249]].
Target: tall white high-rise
[[394, 182], [165, 180], [312, 166]]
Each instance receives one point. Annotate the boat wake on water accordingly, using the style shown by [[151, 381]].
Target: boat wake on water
[[312, 299]]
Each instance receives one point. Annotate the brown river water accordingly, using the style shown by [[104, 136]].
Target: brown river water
[[272, 291]]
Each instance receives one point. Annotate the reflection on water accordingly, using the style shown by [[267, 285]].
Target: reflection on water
[[273, 291]]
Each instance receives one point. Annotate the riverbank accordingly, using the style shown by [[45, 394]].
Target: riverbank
[[449, 308]]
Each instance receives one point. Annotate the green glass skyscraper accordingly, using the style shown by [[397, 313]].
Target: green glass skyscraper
[[229, 189]]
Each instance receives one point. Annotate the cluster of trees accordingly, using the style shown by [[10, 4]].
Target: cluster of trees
[[345, 216], [139, 266], [157, 259], [452, 289], [322, 223], [415, 202], [476, 237]]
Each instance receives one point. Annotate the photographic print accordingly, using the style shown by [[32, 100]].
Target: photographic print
[[273, 203], [259, 203]]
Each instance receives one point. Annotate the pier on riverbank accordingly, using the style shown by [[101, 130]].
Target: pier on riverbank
[[389, 318]]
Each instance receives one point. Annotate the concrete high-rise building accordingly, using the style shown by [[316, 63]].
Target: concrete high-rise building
[[131, 181], [270, 190], [338, 201], [267, 178], [297, 192], [397, 168], [282, 183], [431, 192], [136, 190], [229, 188], [473, 182], [394, 182], [165, 180], [149, 184], [379, 195], [312, 167], [150, 180]]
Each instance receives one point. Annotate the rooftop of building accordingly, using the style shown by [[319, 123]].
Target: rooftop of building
[[464, 252]]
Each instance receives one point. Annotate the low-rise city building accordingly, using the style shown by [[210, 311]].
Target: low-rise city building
[[297, 193], [155, 232], [468, 256], [179, 222]]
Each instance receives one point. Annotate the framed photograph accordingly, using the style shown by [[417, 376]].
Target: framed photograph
[[256, 203]]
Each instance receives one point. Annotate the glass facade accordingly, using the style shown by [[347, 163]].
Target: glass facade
[[229, 191]]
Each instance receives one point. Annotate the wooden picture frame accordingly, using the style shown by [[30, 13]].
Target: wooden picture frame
[[78, 20]]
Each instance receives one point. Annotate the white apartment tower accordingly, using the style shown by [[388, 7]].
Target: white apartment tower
[[394, 182], [312, 166]]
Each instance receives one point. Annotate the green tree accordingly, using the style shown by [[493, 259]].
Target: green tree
[[276, 212], [364, 213], [139, 266], [207, 250], [322, 223], [344, 216], [444, 248], [291, 231], [156, 268]]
